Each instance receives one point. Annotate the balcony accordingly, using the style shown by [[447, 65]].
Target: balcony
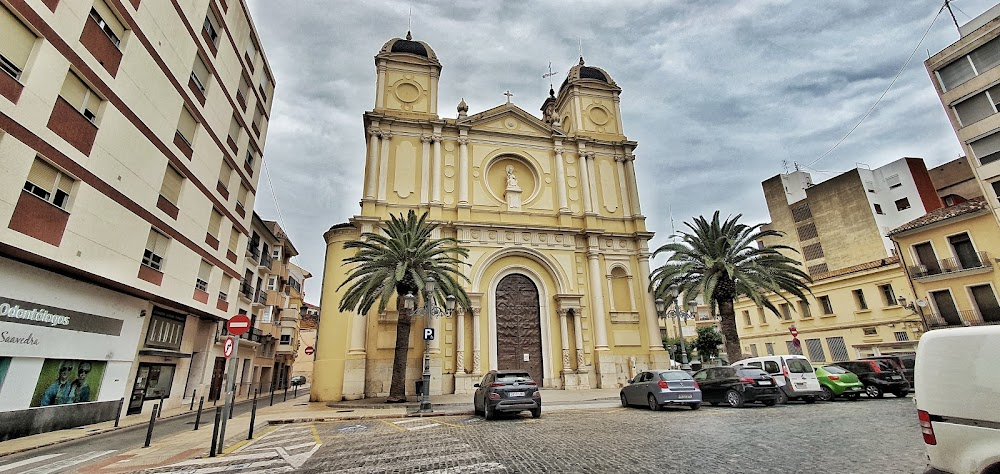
[[264, 264], [254, 335], [253, 251], [965, 318], [260, 299], [246, 290], [952, 267]]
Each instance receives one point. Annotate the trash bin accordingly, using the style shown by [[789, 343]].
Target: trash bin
[[420, 387]]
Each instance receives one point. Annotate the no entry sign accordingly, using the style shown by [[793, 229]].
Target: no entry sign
[[227, 348], [309, 350], [238, 324], [794, 331]]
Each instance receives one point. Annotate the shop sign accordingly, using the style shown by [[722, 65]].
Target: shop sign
[[34, 314]]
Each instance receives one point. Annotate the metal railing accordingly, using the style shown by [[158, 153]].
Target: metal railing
[[965, 318], [253, 251], [261, 298], [949, 265], [246, 289], [265, 261]]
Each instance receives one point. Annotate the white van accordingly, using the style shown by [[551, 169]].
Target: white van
[[957, 400], [793, 373]]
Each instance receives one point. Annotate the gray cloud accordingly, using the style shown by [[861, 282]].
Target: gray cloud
[[718, 94]]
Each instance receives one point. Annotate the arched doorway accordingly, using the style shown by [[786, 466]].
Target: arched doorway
[[519, 334]]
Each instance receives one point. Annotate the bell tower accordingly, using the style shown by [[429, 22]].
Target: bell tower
[[588, 104], [408, 73]]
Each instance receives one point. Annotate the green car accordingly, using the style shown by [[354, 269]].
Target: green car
[[836, 382]]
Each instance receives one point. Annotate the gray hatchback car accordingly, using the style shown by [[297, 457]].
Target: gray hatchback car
[[655, 388], [507, 391]]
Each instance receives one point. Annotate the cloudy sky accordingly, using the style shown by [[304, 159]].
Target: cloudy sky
[[719, 95]]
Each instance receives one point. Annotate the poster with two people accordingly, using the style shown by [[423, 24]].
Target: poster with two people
[[67, 381]]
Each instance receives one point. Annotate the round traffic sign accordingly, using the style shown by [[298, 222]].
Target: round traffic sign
[[794, 331], [238, 324], [227, 348], [309, 350]]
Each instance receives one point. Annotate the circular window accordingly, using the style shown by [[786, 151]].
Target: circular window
[[599, 115], [407, 92]]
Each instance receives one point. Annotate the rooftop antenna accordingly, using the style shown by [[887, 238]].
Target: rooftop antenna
[[673, 231], [947, 4], [784, 165], [581, 50], [550, 74], [409, 19]]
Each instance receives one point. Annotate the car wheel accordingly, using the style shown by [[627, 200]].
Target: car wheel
[[489, 413], [652, 403], [537, 412], [827, 395], [810, 399], [770, 403], [734, 398], [782, 397], [873, 391], [900, 394], [695, 406], [624, 401]]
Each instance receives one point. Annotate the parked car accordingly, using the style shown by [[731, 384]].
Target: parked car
[[902, 362], [957, 412], [656, 388], [507, 391], [298, 380], [836, 381], [793, 373], [878, 377], [737, 386]]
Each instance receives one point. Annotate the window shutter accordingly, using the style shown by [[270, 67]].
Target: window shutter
[[214, 222], [257, 114], [18, 39], [986, 56], [43, 175], [234, 129], [171, 188], [205, 272], [234, 240], [156, 243], [227, 281], [109, 18], [244, 86], [201, 71], [74, 90], [225, 172], [986, 146], [251, 49], [187, 125], [241, 198]]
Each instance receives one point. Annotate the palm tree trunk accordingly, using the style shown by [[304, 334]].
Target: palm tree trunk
[[728, 323], [397, 387]]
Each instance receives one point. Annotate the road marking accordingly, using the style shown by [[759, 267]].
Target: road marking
[[413, 463], [480, 467], [408, 421], [60, 466], [400, 428], [297, 460], [451, 424], [297, 446], [36, 459], [228, 467], [415, 428], [237, 457]]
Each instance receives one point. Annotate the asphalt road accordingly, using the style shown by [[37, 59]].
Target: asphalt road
[[135, 436]]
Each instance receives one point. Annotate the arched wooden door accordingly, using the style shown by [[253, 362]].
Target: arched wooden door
[[519, 332]]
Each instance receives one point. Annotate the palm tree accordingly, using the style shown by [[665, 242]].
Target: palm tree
[[397, 263], [721, 262]]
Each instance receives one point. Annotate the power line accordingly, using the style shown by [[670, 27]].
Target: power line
[[274, 198], [886, 91]]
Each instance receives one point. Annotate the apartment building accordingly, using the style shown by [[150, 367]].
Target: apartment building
[[308, 324], [131, 136], [284, 299], [966, 78]]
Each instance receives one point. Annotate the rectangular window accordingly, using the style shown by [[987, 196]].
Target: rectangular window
[[48, 183], [241, 197], [156, 249], [80, 96], [171, 186], [234, 129], [166, 329], [804, 309], [16, 45], [272, 284], [888, 296], [186, 126], [244, 88], [227, 282], [956, 73], [761, 316], [251, 51], [838, 349], [986, 56], [870, 331], [996, 188], [204, 274], [813, 251], [158, 378], [258, 115], [815, 349], [801, 213], [817, 269], [286, 339], [902, 204], [859, 298], [792, 349], [251, 153], [893, 181], [878, 210], [807, 232], [901, 336], [200, 74], [753, 350], [266, 86], [234, 240], [824, 301], [987, 149], [225, 173], [786, 311], [769, 346], [211, 27], [974, 109], [214, 222], [746, 318], [108, 21]]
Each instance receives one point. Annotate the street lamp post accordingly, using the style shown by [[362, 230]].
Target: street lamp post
[[661, 311], [430, 310]]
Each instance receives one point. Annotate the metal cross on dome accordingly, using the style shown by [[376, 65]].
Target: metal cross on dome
[[509, 95]]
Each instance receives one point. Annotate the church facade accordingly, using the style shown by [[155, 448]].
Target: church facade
[[549, 210]]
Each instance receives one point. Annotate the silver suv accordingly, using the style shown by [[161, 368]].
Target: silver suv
[[507, 391]]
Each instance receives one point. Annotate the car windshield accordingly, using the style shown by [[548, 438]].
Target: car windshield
[[674, 376], [833, 369], [755, 373], [513, 377], [798, 366]]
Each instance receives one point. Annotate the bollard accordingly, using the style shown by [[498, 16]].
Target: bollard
[[160, 411], [296, 395], [152, 421], [232, 405], [197, 418], [193, 394], [215, 431], [118, 416], [285, 397], [272, 399], [253, 416]]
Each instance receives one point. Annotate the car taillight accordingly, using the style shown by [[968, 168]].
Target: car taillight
[[746, 380], [536, 394], [926, 428], [494, 396], [833, 377], [528, 383], [498, 384], [662, 384], [696, 385]]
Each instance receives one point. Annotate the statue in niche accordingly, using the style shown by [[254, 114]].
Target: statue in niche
[[513, 194]]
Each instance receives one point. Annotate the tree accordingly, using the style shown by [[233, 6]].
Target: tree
[[721, 261], [708, 342], [396, 263]]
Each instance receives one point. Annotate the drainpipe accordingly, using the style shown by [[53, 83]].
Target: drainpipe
[[902, 263]]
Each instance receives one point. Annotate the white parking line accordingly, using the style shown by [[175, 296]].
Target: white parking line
[[59, 466], [36, 459], [415, 428]]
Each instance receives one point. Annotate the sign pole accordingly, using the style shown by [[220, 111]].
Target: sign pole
[[230, 380]]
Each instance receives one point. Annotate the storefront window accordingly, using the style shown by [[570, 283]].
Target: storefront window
[[4, 365], [165, 329], [157, 379]]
